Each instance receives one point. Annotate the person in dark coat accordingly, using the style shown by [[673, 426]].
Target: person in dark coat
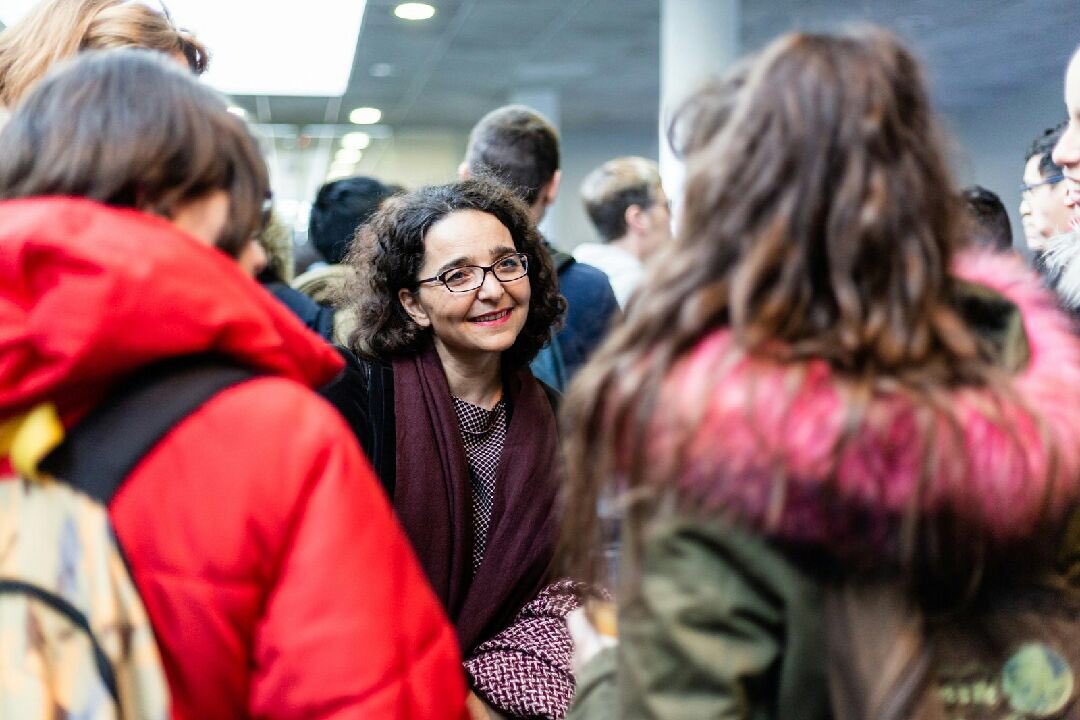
[[454, 294], [276, 241], [340, 207], [518, 147]]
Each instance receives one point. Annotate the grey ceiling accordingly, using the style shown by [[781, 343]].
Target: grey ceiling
[[972, 48], [603, 55]]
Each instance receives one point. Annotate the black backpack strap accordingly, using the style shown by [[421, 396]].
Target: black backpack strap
[[103, 449]]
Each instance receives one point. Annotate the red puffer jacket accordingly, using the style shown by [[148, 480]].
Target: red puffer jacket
[[277, 581]]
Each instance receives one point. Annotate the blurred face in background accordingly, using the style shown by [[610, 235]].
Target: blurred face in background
[[658, 224], [205, 219], [253, 259], [1042, 206]]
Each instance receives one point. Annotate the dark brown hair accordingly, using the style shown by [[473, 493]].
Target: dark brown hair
[[389, 250], [58, 29], [819, 224], [1043, 147], [128, 128], [516, 146]]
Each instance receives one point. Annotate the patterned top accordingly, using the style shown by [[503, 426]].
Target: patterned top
[[483, 432], [526, 671]]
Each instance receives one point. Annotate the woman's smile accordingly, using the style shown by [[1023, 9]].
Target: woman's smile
[[497, 317]]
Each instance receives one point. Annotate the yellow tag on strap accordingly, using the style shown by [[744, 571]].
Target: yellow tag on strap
[[28, 438]]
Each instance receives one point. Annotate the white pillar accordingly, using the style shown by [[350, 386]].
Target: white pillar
[[699, 39]]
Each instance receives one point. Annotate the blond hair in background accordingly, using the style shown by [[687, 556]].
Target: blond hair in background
[[276, 239], [611, 188], [59, 29]]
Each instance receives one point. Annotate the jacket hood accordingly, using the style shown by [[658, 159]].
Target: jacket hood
[[1061, 262], [89, 293], [778, 445]]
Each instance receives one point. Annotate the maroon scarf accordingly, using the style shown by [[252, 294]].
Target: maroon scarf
[[432, 497]]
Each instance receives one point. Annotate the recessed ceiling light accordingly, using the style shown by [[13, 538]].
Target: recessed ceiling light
[[355, 140], [381, 70], [415, 11], [238, 111], [348, 155], [365, 116]]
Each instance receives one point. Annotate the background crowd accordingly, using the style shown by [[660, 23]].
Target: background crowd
[[814, 454]]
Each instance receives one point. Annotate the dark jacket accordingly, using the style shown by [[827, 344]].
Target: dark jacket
[[591, 309], [364, 395], [318, 318], [507, 611]]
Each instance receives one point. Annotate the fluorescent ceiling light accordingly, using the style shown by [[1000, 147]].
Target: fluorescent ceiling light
[[365, 116], [13, 10], [265, 48], [238, 111], [414, 11], [356, 140], [254, 47]]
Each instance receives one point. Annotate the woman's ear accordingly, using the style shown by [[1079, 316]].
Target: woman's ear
[[410, 300]]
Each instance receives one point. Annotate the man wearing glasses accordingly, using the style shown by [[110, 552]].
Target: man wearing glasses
[[1042, 205]]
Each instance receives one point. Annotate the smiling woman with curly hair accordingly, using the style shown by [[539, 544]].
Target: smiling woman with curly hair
[[454, 294]]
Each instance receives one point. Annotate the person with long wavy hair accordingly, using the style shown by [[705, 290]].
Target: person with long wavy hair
[[454, 294], [827, 431]]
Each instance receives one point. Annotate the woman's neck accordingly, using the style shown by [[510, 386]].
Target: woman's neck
[[475, 378]]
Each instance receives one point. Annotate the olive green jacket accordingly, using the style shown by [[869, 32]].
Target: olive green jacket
[[722, 623], [724, 626]]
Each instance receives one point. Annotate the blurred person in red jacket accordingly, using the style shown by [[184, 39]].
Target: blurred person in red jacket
[[276, 579]]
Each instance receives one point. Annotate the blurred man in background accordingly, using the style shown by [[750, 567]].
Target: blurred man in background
[[628, 207]]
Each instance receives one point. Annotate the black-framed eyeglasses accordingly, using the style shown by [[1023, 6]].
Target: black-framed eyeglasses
[[1052, 180], [466, 278]]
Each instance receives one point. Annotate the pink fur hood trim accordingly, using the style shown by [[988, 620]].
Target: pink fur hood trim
[[753, 422]]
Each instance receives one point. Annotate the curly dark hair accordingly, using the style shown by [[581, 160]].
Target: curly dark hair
[[388, 251]]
